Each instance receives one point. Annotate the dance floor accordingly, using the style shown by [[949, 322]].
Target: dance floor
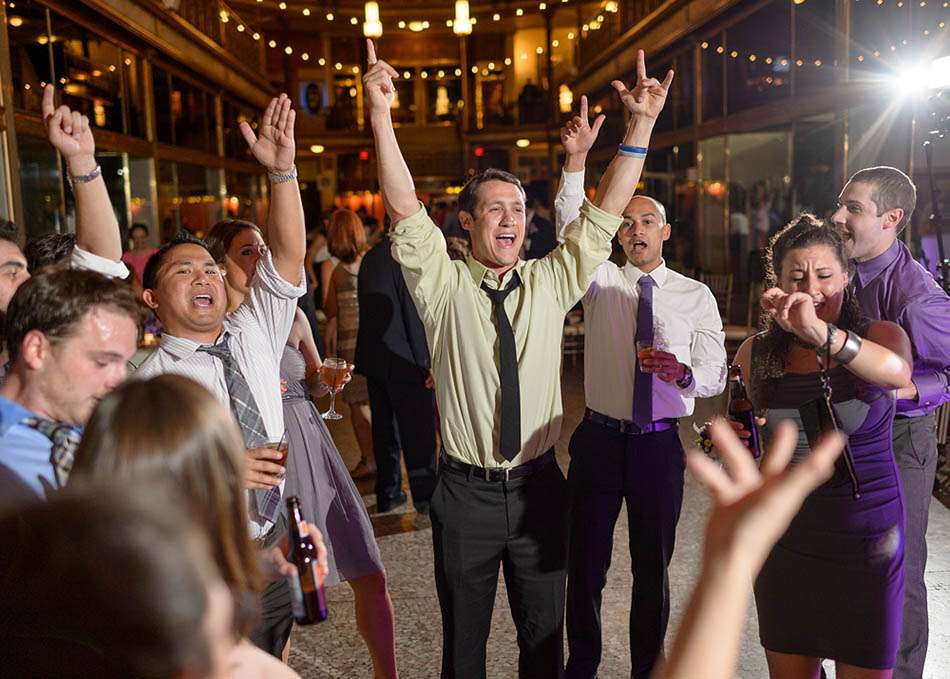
[[334, 649]]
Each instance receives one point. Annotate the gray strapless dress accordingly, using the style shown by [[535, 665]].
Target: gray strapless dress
[[316, 474], [833, 585]]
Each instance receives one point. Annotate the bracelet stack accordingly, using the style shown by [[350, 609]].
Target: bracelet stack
[[632, 151]]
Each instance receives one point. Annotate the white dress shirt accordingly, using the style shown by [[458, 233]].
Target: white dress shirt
[[686, 324], [259, 329]]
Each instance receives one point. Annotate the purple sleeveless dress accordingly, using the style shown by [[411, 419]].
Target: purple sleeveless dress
[[316, 474], [833, 585]]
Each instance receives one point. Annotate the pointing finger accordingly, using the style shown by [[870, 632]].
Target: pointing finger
[[583, 113], [641, 66], [48, 108], [370, 52]]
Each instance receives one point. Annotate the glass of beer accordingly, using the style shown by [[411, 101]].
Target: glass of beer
[[281, 447], [333, 375]]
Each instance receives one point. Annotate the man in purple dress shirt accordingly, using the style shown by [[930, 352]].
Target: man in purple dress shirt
[[873, 208]]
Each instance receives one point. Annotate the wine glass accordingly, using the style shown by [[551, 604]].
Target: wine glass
[[333, 375]]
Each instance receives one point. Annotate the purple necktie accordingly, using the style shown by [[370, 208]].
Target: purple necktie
[[643, 386]]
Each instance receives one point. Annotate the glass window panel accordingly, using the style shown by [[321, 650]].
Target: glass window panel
[[198, 196], [133, 73], [881, 29], [444, 97], [813, 157], [40, 183], [683, 90], [232, 115], [342, 114], [29, 54], [141, 172], [167, 193], [712, 169], [113, 173], [664, 122], [878, 134], [244, 196], [711, 59], [757, 53], [164, 128], [815, 37], [87, 68], [190, 116], [404, 104]]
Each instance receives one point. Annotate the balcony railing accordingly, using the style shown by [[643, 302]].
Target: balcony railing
[[597, 40], [217, 20]]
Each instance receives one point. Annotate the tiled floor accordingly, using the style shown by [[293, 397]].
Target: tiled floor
[[334, 648]]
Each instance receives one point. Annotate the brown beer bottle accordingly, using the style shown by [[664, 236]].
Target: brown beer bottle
[[308, 599], [741, 410]]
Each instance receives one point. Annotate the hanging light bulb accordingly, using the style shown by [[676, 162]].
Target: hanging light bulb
[[463, 23], [373, 27]]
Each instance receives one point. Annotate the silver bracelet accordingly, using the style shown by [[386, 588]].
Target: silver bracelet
[[281, 177], [850, 348], [83, 178]]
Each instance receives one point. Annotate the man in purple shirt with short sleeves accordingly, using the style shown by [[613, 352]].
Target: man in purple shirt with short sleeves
[[873, 209]]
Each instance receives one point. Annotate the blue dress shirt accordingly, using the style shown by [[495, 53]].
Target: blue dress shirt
[[26, 468]]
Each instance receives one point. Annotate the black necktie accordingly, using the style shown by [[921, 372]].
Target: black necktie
[[509, 440]]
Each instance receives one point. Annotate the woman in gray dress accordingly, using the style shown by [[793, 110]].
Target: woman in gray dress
[[315, 469]]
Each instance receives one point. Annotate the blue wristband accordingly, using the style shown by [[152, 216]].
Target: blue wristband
[[636, 151]]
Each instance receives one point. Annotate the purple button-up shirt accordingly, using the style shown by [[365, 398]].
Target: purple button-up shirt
[[894, 287]]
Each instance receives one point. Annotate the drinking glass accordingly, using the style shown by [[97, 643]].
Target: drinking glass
[[333, 376], [281, 447]]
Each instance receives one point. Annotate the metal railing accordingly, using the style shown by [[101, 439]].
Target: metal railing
[[208, 17]]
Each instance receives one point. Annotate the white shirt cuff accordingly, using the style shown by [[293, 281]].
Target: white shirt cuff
[[87, 261]]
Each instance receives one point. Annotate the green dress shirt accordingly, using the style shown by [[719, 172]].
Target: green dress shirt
[[463, 340]]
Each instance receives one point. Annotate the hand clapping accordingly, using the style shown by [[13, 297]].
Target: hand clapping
[[646, 99]]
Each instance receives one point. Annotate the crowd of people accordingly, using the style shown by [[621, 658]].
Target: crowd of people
[[142, 515]]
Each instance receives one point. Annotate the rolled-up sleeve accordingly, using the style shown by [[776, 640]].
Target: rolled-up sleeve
[[928, 325], [88, 261], [271, 302]]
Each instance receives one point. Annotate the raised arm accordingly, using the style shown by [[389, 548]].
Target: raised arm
[[97, 230], [274, 148], [884, 356], [395, 181], [644, 102], [577, 137]]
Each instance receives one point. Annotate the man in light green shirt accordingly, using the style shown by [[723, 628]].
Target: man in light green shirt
[[494, 326]]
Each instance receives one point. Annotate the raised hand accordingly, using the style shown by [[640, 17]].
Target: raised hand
[[578, 136], [795, 313], [647, 97], [753, 506], [68, 131], [273, 145], [378, 85]]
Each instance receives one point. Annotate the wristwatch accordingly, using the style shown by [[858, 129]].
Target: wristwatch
[[687, 380]]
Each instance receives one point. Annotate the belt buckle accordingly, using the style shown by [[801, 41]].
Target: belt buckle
[[488, 473]]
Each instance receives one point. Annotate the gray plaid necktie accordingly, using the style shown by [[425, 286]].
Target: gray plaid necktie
[[64, 439], [248, 416]]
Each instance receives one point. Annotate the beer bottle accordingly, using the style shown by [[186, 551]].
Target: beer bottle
[[741, 410], [308, 599]]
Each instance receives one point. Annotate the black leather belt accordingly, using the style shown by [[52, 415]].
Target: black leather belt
[[628, 427], [499, 473]]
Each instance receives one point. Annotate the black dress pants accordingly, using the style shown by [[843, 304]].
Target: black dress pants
[[403, 418], [646, 471], [520, 525]]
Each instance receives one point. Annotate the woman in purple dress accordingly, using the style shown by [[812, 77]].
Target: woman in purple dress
[[833, 585]]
